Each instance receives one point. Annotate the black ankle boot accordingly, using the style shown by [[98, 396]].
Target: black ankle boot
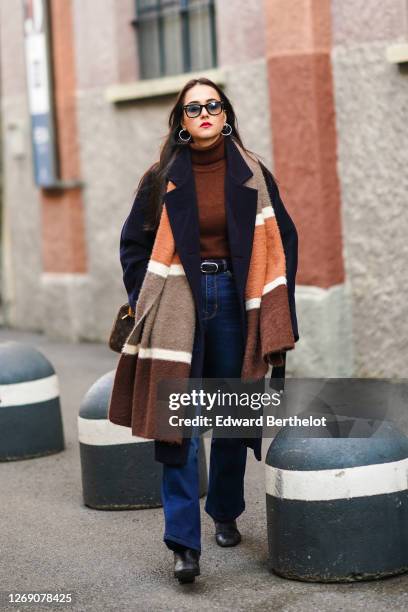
[[226, 533], [186, 565]]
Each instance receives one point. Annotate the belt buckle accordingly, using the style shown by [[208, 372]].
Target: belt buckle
[[214, 263]]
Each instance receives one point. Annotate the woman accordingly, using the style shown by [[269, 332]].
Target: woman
[[213, 216]]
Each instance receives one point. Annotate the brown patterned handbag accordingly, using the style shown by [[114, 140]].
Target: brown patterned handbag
[[122, 326]]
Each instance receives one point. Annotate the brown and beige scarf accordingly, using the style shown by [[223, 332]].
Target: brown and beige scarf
[[161, 342]]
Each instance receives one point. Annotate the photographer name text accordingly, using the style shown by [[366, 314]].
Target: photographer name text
[[259, 421]]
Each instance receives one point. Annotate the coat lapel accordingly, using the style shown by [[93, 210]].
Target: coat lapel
[[240, 208]]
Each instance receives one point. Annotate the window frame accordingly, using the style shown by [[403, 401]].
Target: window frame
[[185, 9]]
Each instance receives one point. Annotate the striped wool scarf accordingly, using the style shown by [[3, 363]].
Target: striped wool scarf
[[161, 342]]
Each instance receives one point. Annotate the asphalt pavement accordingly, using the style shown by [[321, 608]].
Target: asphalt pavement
[[116, 560]]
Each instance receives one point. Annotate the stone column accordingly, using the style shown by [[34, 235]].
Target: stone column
[[298, 47]]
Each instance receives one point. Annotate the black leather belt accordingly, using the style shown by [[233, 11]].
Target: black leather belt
[[214, 266]]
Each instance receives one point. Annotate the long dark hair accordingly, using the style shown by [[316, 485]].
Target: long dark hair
[[155, 177]]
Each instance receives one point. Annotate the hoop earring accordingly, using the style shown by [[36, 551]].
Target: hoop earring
[[184, 139], [229, 127]]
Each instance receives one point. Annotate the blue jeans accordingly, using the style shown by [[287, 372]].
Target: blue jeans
[[223, 356]]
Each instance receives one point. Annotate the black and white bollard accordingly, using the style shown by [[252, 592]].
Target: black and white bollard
[[30, 414], [337, 508], [119, 470]]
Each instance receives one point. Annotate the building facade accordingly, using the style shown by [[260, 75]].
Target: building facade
[[320, 92]]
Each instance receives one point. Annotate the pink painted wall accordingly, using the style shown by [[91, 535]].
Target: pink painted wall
[[298, 44]]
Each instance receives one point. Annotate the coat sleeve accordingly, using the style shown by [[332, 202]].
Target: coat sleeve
[[136, 245], [289, 237]]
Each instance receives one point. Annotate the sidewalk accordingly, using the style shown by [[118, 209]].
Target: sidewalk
[[115, 560]]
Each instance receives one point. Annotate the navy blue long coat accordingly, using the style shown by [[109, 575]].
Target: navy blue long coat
[[241, 203]]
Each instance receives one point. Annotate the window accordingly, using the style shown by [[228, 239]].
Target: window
[[175, 36]]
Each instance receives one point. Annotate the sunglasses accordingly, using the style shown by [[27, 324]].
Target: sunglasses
[[214, 107]]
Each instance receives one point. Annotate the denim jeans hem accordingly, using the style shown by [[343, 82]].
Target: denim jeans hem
[[181, 541], [224, 519]]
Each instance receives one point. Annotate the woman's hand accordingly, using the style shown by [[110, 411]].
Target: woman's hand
[[275, 359]]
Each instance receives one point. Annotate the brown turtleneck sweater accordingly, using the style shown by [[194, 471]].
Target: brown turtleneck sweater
[[209, 166]]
